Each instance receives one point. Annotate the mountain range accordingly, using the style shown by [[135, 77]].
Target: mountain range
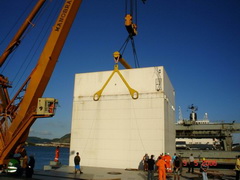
[[63, 139]]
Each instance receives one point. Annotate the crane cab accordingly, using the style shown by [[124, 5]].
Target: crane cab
[[46, 106]]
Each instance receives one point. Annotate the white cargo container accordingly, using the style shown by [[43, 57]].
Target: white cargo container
[[116, 131]]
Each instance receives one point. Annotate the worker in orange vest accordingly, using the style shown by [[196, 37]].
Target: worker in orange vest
[[51, 107], [168, 160], [161, 169], [57, 154]]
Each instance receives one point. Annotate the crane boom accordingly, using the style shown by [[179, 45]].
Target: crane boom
[[16, 39], [25, 114]]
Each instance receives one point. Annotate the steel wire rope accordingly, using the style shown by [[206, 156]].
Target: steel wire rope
[[89, 135], [15, 48], [36, 40], [136, 12], [14, 51], [14, 25], [126, 7], [7, 62], [135, 54], [94, 120], [131, 7], [36, 19], [124, 45], [27, 32], [8, 34], [138, 130]]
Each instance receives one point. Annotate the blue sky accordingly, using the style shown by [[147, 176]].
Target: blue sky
[[197, 42]]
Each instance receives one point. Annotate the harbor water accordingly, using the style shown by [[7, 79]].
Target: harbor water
[[43, 155]]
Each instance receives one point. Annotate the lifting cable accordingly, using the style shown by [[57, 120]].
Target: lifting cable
[[131, 8], [38, 40], [8, 34], [123, 47], [14, 25], [132, 31], [135, 54], [131, 27]]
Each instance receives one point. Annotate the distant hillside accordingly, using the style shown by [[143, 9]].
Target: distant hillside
[[64, 139]]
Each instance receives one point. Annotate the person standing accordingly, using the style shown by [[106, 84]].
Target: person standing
[[237, 167], [168, 160], [30, 168], [161, 169], [191, 164], [177, 164], [24, 161], [151, 164], [77, 160], [145, 160], [181, 162], [173, 157], [57, 152], [203, 169]]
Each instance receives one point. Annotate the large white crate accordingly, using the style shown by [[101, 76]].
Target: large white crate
[[116, 131]]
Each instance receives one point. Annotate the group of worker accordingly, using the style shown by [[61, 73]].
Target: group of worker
[[22, 165], [165, 164]]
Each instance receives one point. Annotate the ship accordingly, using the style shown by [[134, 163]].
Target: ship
[[205, 139]]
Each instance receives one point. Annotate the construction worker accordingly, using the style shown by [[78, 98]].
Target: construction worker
[[168, 160], [191, 163], [57, 151], [204, 168], [161, 164], [51, 107], [145, 162], [160, 156], [177, 165]]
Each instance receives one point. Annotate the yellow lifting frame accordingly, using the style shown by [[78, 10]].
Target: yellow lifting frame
[[133, 92]]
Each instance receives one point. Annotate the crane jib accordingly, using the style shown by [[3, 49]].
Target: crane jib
[[32, 106], [63, 15]]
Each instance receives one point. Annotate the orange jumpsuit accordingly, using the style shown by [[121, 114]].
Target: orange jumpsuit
[[51, 108], [168, 160], [56, 155], [161, 169]]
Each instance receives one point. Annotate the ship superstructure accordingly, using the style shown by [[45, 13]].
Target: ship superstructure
[[219, 133]]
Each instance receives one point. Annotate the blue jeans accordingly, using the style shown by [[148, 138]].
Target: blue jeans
[[204, 175], [150, 174]]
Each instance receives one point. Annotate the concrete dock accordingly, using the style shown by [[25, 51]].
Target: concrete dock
[[96, 173]]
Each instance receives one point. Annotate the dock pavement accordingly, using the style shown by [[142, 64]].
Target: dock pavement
[[97, 173]]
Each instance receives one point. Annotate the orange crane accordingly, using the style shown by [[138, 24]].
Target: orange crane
[[19, 113]]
